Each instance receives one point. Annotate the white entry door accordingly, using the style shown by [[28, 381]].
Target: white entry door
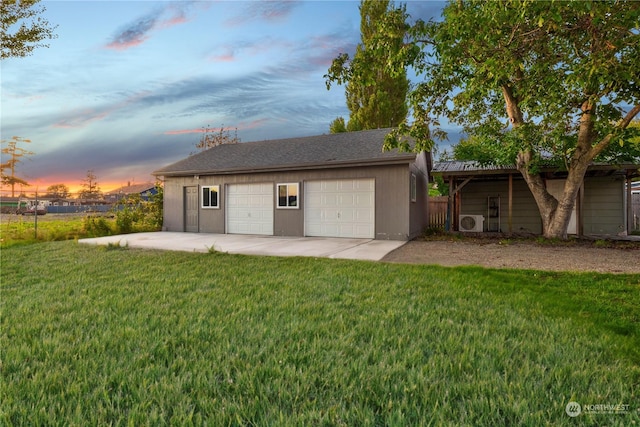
[[250, 209], [555, 187], [340, 208]]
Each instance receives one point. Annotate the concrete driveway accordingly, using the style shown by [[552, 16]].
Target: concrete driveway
[[363, 249]]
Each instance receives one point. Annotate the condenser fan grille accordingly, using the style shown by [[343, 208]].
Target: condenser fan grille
[[468, 223], [474, 223]]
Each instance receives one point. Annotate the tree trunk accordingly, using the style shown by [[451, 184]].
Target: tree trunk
[[555, 213]]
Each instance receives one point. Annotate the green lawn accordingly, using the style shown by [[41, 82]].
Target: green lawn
[[106, 336]]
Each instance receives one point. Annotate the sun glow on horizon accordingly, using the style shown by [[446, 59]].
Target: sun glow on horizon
[[42, 185]]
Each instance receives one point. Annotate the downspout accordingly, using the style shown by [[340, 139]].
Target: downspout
[[629, 205], [449, 224]]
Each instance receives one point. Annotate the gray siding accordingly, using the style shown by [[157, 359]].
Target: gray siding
[[419, 210], [392, 212], [603, 205]]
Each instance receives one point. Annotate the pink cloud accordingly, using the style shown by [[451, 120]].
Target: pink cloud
[[183, 131], [84, 117], [229, 57], [253, 124], [125, 44], [80, 119], [241, 126], [137, 32], [251, 48], [264, 10]]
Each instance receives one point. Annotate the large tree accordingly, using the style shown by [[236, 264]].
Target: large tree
[[375, 98], [532, 82], [15, 155], [22, 28], [90, 187], [60, 191]]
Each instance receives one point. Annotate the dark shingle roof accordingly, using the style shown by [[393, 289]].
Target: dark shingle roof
[[333, 150]]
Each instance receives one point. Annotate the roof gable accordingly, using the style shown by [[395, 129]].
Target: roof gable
[[333, 150]]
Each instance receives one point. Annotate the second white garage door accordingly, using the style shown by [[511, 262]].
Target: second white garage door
[[340, 208], [250, 209]]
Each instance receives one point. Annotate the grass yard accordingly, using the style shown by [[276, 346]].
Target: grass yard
[[20, 230], [106, 336], [16, 230]]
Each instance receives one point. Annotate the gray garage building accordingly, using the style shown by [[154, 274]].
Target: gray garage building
[[337, 185]]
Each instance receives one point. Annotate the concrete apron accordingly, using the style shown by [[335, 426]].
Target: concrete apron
[[329, 247]]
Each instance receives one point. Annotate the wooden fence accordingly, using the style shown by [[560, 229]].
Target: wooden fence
[[438, 211]]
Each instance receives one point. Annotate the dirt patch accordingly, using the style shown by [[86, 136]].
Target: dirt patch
[[598, 256]]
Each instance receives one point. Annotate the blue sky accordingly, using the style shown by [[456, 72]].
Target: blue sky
[[127, 86]]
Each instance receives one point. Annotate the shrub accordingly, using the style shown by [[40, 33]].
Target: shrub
[[96, 226], [136, 214]]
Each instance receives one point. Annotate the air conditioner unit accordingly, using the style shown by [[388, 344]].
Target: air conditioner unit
[[471, 223]]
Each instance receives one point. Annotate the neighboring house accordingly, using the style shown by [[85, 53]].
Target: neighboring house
[[145, 190], [496, 198], [337, 185], [12, 204], [59, 201]]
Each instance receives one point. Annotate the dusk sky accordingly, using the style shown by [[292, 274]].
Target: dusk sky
[[127, 87]]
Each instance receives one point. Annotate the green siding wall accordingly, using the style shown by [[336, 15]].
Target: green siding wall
[[526, 217], [603, 205]]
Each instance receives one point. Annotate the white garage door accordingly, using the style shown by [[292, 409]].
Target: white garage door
[[340, 208], [250, 209]]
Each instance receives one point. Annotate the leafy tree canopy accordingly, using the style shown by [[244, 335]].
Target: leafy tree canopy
[[22, 29], [376, 96], [520, 75], [58, 190], [531, 82]]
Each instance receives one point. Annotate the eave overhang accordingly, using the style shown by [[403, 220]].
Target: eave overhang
[[396, 160]]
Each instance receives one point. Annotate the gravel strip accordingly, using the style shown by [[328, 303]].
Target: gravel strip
[[518, 255]]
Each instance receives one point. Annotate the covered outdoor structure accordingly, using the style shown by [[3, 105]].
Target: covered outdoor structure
[[497, 199]]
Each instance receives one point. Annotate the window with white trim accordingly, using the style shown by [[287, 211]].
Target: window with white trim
[[210, 196], [414, 187], [288, 196]]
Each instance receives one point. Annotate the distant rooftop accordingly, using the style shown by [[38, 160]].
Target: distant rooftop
[[132, 188]]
